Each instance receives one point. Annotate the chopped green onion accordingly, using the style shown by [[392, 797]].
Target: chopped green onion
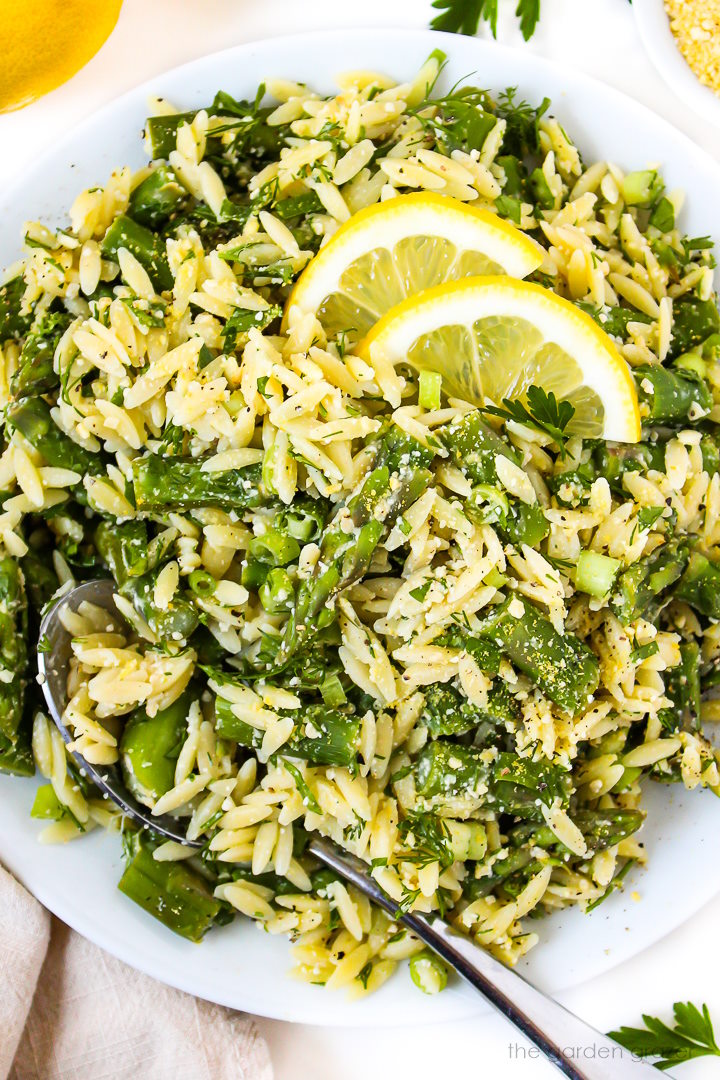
[[47, 804], [495, 578], [276, 592], [332, 691], [306, 794], [641, 188], [254, 573], [487, 504], [274, 547], [468, 839], [430, 388], [595, 574], [202, 583], [692, 361], [509, 207], [428, 972]]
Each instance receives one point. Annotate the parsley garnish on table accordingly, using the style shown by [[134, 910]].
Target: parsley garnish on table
[[691, 1037], [463, 16], [543, 412]]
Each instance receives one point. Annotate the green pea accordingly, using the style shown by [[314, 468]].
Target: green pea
[[254, 573]]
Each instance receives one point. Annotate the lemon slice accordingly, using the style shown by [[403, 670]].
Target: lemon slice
[[397, 248], [493, 337]]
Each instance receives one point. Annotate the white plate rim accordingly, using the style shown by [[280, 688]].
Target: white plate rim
[[653, 26], [262, 1003]]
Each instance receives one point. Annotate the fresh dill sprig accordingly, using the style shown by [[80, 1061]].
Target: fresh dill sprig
[[427, 840]]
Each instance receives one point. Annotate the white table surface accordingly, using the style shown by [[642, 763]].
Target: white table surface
[[599, 37]]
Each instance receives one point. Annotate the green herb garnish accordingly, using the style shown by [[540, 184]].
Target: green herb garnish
[[691, 1037], [463, 16], [543, 412]]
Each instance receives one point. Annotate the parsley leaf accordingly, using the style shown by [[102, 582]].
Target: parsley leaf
[[463, 16], [421, 592], [691, 1037], [528, 12], [648, 516], [542, 412], [642, 652]]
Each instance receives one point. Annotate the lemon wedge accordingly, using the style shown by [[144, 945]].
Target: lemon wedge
[[399, 247], [45, 42], [493, 337]]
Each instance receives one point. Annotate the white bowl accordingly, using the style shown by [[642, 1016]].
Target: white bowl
[[239, 965], [654, 28]]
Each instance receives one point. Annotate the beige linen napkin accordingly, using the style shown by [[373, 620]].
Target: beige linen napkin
[[69, 1011]]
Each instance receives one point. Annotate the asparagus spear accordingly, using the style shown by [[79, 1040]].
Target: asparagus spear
[[524, 524], [321, 735], [35, 373], [173, 623], [682, 686], [561, 665], [41, 581], [170, 891], [510, 784], [672, 396], [517, 860], [16, 757], [13, 649], [399, 477], [32, 418], [693, 322], [641, 589], [147, 247], [699, 586], [123, 548], [613, 460], [447, 712], [601, 829], [614, 319], [178, 483], [486, 653], [161, 132], [13, 324], [150, 746], [157, 198], [473, 447]]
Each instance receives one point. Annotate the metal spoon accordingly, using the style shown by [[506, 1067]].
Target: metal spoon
[[575, 1048], [53, 668]]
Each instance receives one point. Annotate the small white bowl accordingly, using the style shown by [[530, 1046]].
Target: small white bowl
[[654, 27]]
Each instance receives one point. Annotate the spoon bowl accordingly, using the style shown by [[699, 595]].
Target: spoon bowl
[[54, 667]]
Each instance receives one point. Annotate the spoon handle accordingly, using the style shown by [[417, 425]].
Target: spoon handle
[[578, 1050]]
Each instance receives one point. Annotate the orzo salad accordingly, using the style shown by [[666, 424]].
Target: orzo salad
[[395, 422]]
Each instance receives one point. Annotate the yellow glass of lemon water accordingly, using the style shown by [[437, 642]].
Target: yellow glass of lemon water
[[46, 41]]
